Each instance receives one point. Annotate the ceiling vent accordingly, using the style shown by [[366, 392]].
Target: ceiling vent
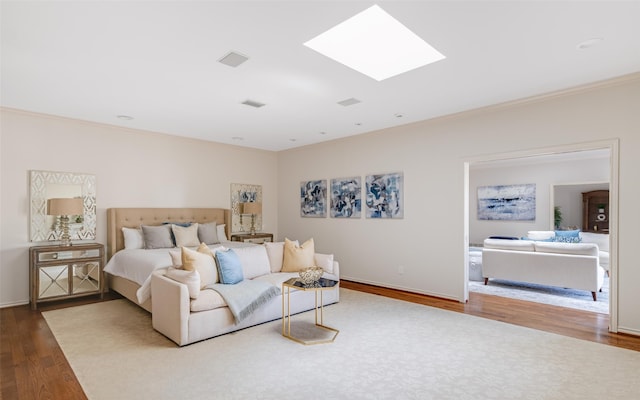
[[349, 102], [233, 59], [253, 103]]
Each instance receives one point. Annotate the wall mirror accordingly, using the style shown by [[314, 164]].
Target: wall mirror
[[243, 193], [46, 185]]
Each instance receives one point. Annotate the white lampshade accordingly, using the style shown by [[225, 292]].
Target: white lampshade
[[65, 206]]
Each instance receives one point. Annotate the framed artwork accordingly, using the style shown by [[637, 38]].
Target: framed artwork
[[384, 195], [244, 193], [313, 199], [507, 202], [346, 197]]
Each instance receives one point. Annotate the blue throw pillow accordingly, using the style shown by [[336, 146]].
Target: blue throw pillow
[[229, 267], [568, 236]]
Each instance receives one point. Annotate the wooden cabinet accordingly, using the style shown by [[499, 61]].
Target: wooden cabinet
[[60, 272], [595, 211], [258, 238]]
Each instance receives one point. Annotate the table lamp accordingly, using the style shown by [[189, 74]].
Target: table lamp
[[252, 208], [63, 207]]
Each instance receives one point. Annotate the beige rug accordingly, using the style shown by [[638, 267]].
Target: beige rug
[[386, 349]]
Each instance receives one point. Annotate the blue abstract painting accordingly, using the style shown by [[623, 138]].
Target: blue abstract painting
[[384, 196], [313, 199], [346, 197], [507, 202]]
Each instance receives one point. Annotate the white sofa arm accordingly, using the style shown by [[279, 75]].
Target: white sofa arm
[[170, 307]]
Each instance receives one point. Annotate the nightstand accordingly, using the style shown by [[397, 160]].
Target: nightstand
[[61, 272], [258, 238]]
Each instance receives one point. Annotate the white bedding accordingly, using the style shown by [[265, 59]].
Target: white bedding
[[137, 265]]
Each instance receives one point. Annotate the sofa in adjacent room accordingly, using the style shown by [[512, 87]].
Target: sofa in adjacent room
[[567, 265], [187, 312]]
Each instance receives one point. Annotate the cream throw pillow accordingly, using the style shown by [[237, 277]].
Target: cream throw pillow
[[189, 278], [297, 258], [202, 261], [186, 236]]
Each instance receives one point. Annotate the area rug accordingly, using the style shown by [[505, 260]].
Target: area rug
[[386, 349], [563, 297]]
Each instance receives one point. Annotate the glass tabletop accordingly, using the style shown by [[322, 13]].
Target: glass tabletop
[[322, 283]]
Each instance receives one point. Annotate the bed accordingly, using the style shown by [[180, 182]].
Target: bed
[[117, 218]]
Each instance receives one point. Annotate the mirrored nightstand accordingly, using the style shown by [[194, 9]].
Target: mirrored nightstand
[[58, 272]]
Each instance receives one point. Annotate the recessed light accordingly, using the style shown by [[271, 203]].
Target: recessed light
[[292, 140], [398, 115], [375, 44], [125, 117], [349, 102], [323, 133], [358, 123], [589, 43]]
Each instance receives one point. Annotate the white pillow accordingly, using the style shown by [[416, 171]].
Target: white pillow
[[222, 235], [325, 261], [189, 278], [275, 252], [186, 236], [176, 257], [133, 238], [254, 261]]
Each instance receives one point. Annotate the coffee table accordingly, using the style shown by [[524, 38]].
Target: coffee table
[[320, 334]]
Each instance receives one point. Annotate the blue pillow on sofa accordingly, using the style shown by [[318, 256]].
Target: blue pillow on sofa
[[229, 267], [568, 236]]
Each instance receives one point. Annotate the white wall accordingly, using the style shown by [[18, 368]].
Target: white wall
[[429, 241], [132, 168], [542, 175]]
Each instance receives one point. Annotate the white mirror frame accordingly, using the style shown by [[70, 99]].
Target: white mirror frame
[[41, 228]]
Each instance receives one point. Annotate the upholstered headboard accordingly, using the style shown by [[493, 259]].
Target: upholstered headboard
[[134, 217]]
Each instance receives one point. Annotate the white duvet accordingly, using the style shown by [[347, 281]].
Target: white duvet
[[137, 265]]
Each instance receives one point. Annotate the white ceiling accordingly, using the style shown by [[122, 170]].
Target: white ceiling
[[158, 62]]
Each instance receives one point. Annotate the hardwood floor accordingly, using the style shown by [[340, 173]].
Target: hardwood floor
[[32, 365]]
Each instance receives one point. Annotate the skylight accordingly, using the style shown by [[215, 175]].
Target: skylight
[[375, 44]]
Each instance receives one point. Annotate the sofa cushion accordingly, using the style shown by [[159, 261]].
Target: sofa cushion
[[541, 235], [601, 239], [189, 278], [202, 261], [299, 257], [229, 267], [185, 235], [324, 261], [207, 300], [254, 261], [515, 245], [568, 236], [584, 249]]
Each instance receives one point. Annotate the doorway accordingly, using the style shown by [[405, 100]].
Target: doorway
[[530, 161]]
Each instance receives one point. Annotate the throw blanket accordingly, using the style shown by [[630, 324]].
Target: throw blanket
[[245, 297]]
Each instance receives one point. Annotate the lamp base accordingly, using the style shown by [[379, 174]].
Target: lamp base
[[252, 230], [65, 239]]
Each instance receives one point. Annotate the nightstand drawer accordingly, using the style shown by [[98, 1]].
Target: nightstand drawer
[[67, 254], [257, 240]]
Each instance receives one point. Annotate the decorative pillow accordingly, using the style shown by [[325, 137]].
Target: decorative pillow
[[568, 236], [186, 236], [201, 262], [222, 235], [157, 237], [275, 252], [176, 257], [297, 258], [229, 267], [254, 261], [189, 278], [208, 233], [133, 238], [540, 235], [325, 261]]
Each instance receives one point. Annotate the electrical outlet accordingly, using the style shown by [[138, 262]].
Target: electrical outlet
[[401, 270]]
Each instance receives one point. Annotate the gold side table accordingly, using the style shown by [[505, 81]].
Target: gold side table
[[318, 288]]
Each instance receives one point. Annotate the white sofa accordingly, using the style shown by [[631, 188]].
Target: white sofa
[[185, 320], [567, 265]]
